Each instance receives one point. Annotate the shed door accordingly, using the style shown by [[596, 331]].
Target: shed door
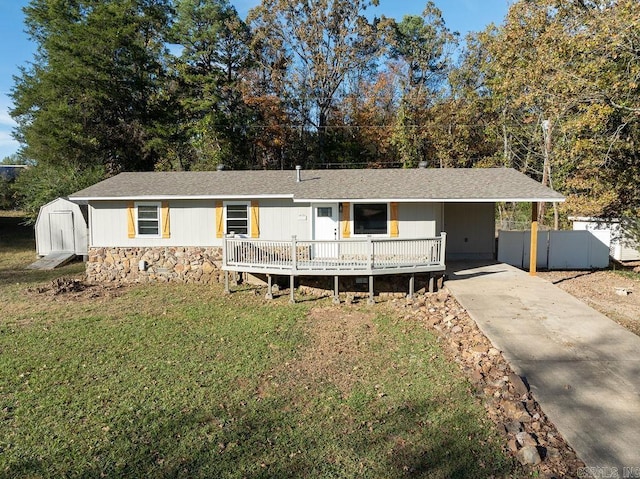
[[61, 231]]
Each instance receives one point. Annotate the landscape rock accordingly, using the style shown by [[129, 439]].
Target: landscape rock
[[528, 434], [518, 384], [529, 455], [164, 264]]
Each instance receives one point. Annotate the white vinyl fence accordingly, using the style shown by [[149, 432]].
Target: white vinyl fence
[[557, 250]]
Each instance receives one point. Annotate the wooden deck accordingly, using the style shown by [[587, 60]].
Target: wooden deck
[[354, 257]]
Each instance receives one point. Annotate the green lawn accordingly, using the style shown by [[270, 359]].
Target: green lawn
[[183, 381]]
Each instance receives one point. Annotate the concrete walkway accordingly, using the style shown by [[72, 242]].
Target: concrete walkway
[[583, 368]]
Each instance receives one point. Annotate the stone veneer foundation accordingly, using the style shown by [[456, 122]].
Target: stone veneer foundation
[[163, 264]]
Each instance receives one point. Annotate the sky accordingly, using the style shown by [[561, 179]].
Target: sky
[[16, 50]]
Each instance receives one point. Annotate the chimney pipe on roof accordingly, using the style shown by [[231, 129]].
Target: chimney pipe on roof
[[298, 176]]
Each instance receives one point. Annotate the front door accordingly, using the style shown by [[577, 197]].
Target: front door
[[61, 231], [325, 228]]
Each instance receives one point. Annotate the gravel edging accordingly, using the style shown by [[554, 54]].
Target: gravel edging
[[530, 437]]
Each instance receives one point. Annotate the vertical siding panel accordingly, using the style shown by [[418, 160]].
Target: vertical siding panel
[[394, 230], [345, 221], [131, 219], [255, 219], [166, 226], [219, 220]]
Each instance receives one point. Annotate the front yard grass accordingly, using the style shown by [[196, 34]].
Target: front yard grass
[[182, 381]]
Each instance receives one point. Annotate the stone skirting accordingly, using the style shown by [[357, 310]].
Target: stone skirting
[[163, 264]]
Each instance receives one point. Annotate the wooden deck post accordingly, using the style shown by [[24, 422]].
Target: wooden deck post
[[371, 300], [292, 289], [336, 293], [269, 294], [412, 282], [432, 283], [533, 249], [226, 282]]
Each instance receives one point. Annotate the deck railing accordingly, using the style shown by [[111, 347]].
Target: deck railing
[[365, 256]]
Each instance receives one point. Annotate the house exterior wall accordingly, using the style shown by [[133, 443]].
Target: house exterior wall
[[470, 229], [80, 231], [193, 252], [419, 220], [192, 224], [282, 219]]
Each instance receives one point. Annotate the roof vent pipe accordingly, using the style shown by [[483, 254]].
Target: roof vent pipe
[[298, 178], [220, 167], [423, 165]]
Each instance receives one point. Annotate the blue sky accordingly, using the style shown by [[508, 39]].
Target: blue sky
[[462, 16]]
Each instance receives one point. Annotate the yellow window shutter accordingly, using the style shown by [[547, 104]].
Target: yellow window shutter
[[255, 220], [164, 214], [394, 233], [131, 219], [345, 226], [219, 220]]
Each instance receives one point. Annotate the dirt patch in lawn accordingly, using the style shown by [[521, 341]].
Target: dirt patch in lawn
[[76, 289], [337, 340], [614, 294]]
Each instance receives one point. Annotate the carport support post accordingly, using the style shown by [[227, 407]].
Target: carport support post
[[533, 250], [336, 293]]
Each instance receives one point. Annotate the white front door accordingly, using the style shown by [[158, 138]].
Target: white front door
[[325, 228]]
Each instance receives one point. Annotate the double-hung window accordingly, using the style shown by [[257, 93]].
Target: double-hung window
[[370, 218], [237, 219], [148, 219]]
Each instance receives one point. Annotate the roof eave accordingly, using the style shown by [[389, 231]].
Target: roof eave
[[177, 197]]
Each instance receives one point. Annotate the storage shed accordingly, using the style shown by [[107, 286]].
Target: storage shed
[[61, 227], [610, 232]]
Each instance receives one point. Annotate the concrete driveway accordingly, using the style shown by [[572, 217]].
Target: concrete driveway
[[583, 368]]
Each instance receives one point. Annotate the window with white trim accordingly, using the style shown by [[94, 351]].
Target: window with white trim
[[237, 218], [370, 218], [148, 219]]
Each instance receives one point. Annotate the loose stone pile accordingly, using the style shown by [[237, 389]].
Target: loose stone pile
[[529, 434]]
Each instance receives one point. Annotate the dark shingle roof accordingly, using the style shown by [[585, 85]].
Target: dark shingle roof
[[451, 184]]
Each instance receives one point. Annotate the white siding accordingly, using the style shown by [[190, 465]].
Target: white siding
[[193, 223], [470, 229], [77, 235], [282, 219], [609, 232], [419, 220]]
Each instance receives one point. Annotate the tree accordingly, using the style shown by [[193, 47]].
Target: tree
[[308, 48], [94, 94], [40, 184], [215, 56], [563, 81], [423, 46]]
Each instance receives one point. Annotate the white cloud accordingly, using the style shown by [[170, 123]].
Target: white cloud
[[8, 146], [5, 106]]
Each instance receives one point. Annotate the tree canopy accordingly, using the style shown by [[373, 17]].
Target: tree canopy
[[134, 85]]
